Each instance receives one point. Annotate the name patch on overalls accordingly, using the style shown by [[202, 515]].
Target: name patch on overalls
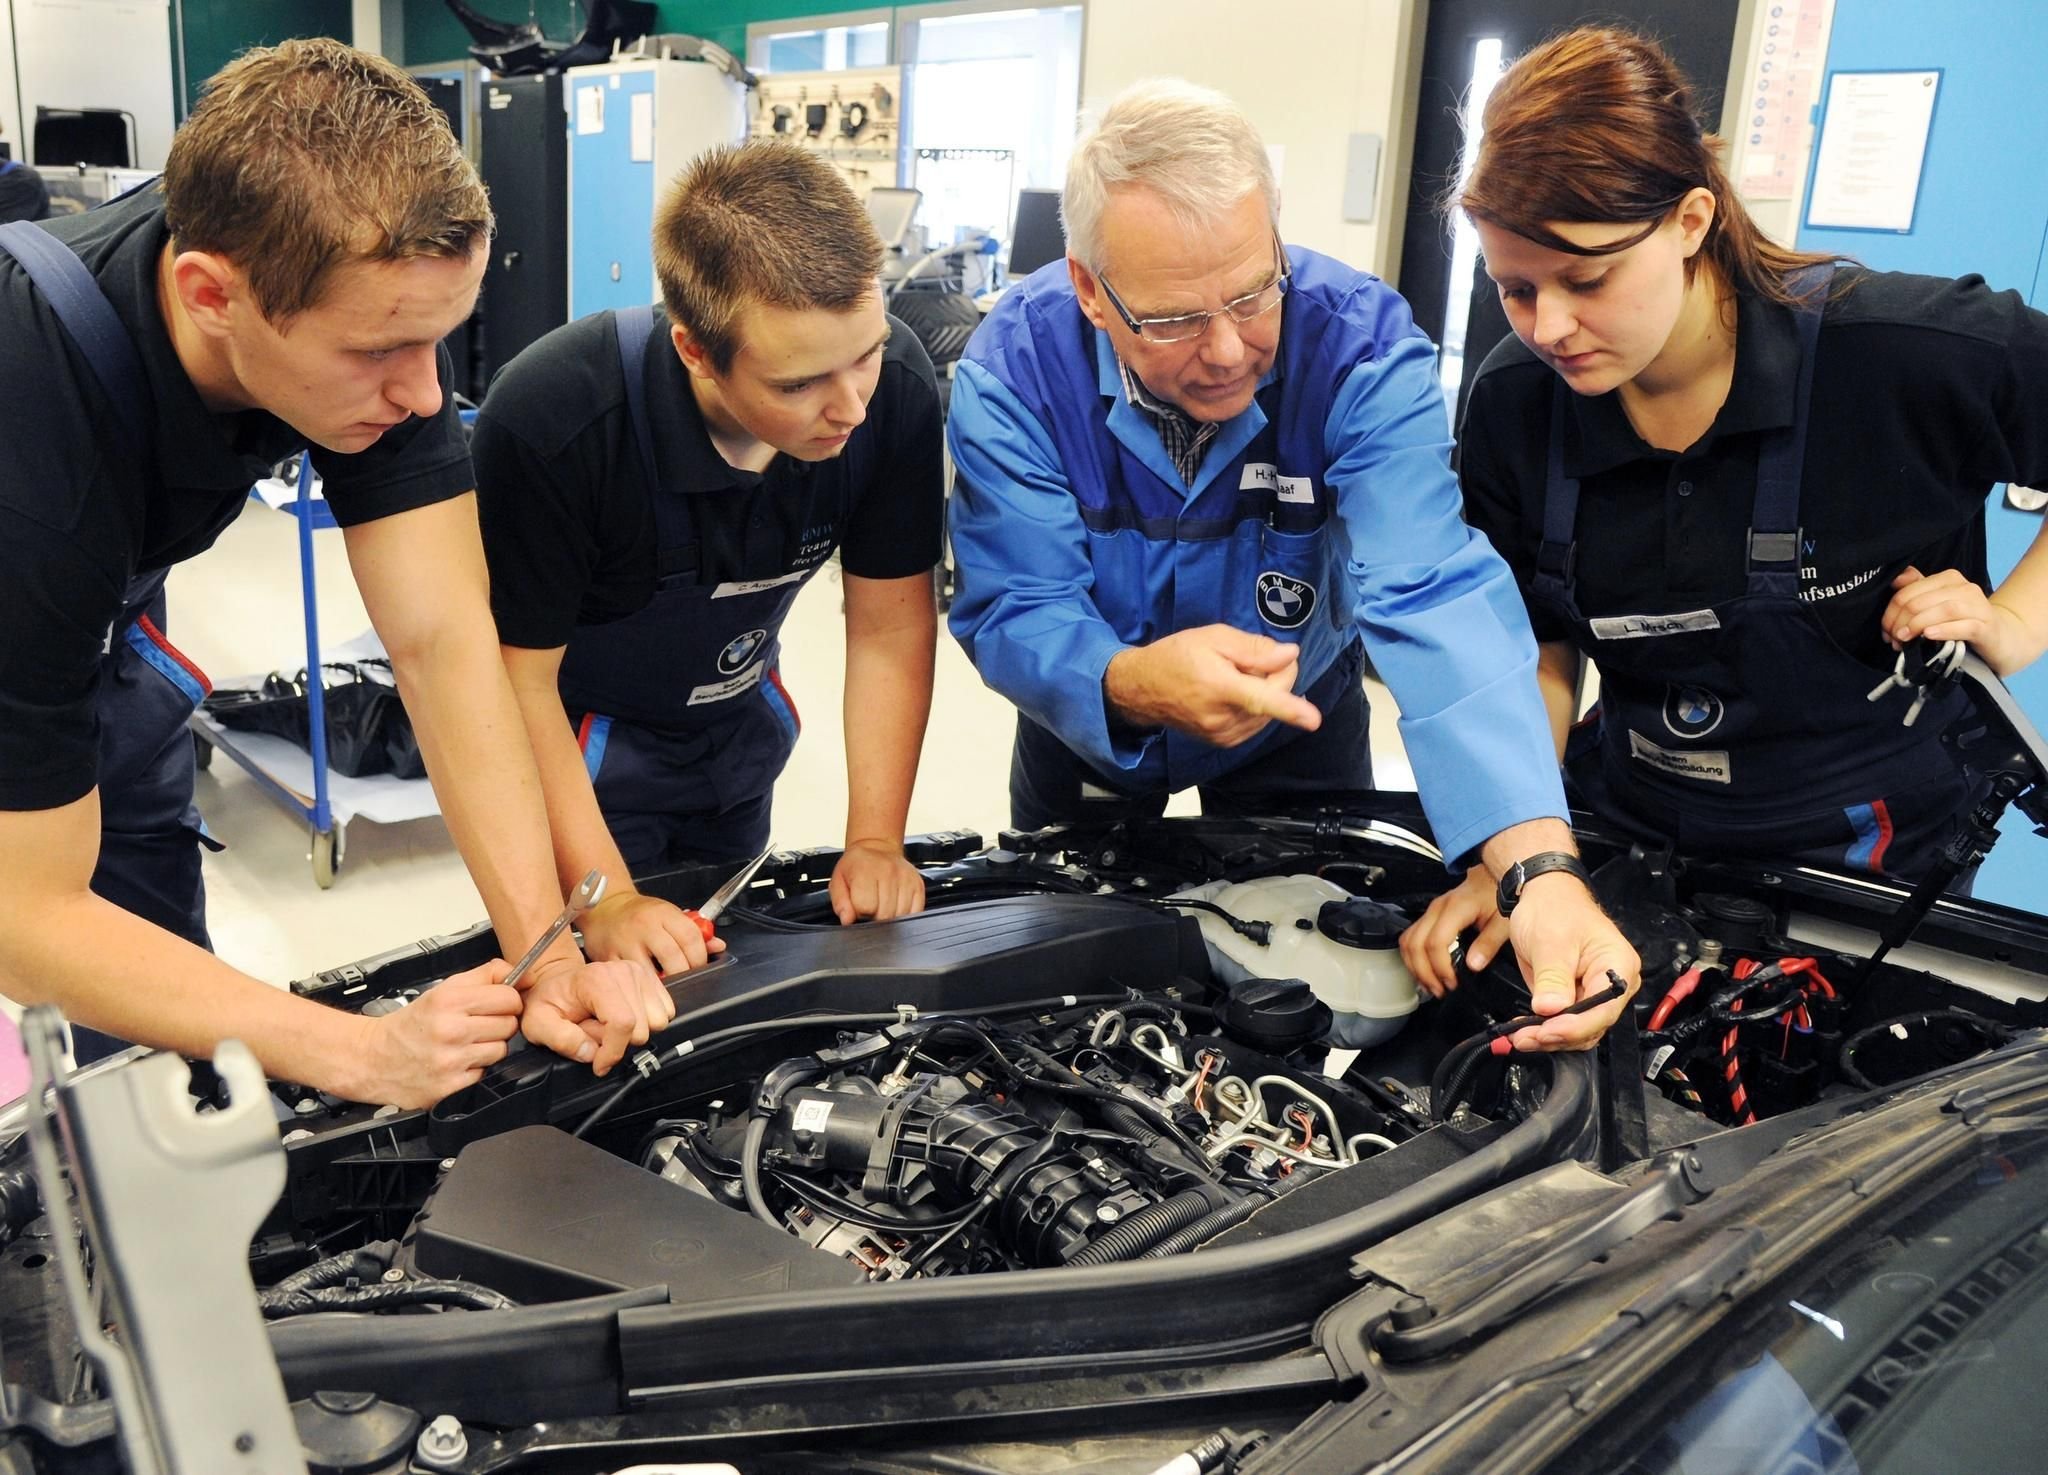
[[1710, 768], [721, 691], [1300, 490], [1641, 627], [1284, 601], [755, 586]]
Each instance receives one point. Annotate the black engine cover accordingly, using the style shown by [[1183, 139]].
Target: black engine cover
[[540, 1216], [957, 958]]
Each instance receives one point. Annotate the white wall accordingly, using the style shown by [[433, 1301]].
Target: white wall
[[366, 26], [10, 104], [1308, 72], [99, 54]]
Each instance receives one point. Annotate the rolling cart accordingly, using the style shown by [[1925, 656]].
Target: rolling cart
[[300, 782]]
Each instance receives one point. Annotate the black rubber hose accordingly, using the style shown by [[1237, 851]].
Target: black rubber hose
[[1065, 1081], [1259, 933], [1990, 1031], [611, 1103], [665, 1055], [1130, 1123], [1145, 1228], [1133, 1124], [1206, 1228], [1454, 1073]]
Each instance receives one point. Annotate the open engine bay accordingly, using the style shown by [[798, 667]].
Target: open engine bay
[[1066, 1147]]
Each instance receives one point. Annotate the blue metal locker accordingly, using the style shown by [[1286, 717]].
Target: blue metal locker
[[633, 125], [611, 194]]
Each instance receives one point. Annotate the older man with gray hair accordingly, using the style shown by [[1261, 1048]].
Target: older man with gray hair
[[1201, 475]]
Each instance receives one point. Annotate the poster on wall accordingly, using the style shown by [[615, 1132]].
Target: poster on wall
[[1778, 96], [1873, 143]]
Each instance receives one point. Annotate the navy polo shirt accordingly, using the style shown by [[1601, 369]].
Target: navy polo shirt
[[79, 516], [568, 517], [1926, 393]]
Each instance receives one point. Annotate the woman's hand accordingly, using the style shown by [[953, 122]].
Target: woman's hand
[[1947, 606]]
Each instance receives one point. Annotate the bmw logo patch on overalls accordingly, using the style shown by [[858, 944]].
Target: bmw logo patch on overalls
[[1692, 711], [1284, 601], [740, 650]]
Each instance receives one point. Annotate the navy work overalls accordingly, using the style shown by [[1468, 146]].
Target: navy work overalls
[[1742, 729], [1255, 543], [679, 707], [150, 831]]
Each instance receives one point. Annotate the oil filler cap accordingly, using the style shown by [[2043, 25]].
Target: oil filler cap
[[1276, 1015], [1356, 921]]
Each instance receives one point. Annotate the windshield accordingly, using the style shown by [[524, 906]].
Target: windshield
[[1913, 1345]]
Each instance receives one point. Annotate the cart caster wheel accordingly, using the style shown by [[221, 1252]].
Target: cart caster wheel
[[202, 752], [328, 848]]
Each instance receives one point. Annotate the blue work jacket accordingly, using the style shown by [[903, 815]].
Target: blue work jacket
[[1324, 513]]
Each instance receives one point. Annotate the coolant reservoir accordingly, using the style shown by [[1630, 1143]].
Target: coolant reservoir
[[1344, 947]]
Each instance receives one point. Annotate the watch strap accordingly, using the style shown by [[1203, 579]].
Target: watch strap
[[1523, 871]]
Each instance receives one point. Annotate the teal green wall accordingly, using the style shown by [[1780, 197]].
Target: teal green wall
[[433, 34], [216, 31]]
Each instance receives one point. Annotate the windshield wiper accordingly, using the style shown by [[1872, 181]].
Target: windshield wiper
[[1415, 1330]]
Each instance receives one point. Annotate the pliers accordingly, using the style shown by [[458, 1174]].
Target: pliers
[[706, 916]]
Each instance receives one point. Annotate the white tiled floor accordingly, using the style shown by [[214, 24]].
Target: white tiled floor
[[236, 609]]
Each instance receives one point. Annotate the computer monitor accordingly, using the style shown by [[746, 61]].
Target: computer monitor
[[892, 210], [1038, 237]]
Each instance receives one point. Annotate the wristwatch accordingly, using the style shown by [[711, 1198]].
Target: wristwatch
[[1522, 872]]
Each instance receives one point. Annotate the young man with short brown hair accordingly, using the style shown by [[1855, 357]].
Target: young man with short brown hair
[[315, 235], [656, 487]]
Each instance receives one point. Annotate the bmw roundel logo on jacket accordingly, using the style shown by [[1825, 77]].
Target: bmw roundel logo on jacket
[[1285, 601]]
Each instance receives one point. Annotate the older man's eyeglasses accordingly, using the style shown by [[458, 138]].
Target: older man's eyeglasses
[[1187, 326]]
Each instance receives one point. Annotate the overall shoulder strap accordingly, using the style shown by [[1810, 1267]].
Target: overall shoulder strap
[[1557, 554], [634, 324], [1774, 531], [88, 317]]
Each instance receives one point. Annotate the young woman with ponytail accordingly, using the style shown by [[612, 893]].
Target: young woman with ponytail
[[1735, 477]]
